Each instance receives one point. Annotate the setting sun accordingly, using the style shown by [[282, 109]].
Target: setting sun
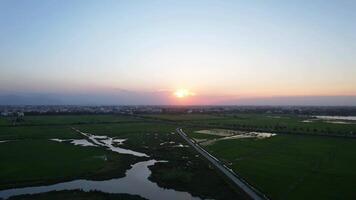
[[182, 93]]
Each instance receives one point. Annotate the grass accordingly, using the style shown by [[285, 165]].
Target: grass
[[286, 123], [142, 136], [37, 132], [31, 162], [183, 172], [193, 134], [31, 159], [284, 167], [75, 119], [128, 129], [294, 167], [183, 117], [187, 170], [283, 123], [4, 121]]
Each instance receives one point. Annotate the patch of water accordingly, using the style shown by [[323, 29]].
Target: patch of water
[[119, 141], [79, 142], [102, 141], [107, 142], [163, 143], [262, 134], [338, 122], [258, 135], [100, 136], [351, 118], [82, 142], [180, 145], [135, 182], [57, 140]]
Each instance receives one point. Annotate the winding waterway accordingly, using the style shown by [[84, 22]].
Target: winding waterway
[[135, 181]]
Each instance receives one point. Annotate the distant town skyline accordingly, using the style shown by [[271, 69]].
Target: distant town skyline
[[178, 52]]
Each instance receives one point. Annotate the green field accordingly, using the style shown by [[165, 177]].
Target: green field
[[183, 117], [196, 135], [37, 132], [4, 121], [30, 158], [283, 123], [291, 165], [75, 119], [283, 167], [32, 162], [192, 133], [148, 138], [294, 167]]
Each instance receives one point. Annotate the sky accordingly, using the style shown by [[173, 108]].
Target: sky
[[142, 52]]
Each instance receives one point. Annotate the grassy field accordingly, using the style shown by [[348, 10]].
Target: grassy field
[[30, 158], [183, 117], [183, 172], [37, 132], [282, 123], [294, 167], [4, 121], [142, 136], [283, 167], [192, 133], [75, 119], [38, 161]]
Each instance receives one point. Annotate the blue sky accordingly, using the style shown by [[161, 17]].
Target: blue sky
[[217, 49]]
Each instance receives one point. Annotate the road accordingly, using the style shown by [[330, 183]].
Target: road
[[238, 181]]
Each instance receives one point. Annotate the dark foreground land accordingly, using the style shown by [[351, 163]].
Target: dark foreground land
[[305, 160]]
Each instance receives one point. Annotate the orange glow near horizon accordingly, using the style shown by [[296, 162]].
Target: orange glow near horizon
[[183, 93]]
